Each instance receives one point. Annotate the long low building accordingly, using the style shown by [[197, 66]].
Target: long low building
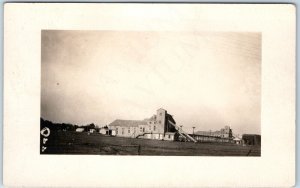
[[225, 132], [208, 138], [159, 126]]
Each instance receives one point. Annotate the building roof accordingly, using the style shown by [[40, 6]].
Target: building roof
[[152, 118], [127, 123], [204, 132], [207, 132]]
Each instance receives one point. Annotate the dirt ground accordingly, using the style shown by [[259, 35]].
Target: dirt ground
[[81, 143]]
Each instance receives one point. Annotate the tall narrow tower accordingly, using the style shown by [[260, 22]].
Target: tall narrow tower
[[161, 120]]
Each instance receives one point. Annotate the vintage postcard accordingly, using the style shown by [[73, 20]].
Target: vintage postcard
[[150, 93], [123, 95]]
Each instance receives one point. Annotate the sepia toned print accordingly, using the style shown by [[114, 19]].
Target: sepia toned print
[[207, 65], [150, 93]]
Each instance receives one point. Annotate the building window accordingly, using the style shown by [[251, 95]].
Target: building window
[[141, 129], [150, 128], [150, 122], [159, 122], [169, 136], [160, 114], [122, 130], [128, 130], [116, 130], [154, 127]]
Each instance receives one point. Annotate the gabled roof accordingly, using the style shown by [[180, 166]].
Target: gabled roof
[[127, 123]]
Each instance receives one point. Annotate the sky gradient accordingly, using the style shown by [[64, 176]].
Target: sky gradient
[[206, 80]]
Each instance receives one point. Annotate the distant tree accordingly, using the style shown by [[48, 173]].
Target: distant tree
[[66, 126], [75, 127], [92, 126], [97, 128]]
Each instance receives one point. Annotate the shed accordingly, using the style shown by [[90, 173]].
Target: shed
[[103, 130], [237, 140], [79, 130]]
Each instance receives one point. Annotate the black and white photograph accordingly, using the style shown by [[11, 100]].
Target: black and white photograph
[[150, 93]]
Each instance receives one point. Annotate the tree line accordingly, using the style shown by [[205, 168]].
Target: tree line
[[67, 126]]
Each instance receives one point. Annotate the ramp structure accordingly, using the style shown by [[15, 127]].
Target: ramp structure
[[183, 133]]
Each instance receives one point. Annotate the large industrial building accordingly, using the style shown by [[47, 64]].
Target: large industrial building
[[156, 127], [160, 126]]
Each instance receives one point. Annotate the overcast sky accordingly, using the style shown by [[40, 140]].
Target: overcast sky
[[206, 80]]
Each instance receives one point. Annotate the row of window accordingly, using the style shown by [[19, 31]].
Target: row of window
[[142, 129], [150, 122]]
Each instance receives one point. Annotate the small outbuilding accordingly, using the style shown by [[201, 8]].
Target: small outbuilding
[[107, 131], [104, 130], [113, 132], [169, 136], [237, 140], [79, 130], [251, 139]]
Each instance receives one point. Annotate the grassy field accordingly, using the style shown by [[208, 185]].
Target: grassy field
[[82, 143]]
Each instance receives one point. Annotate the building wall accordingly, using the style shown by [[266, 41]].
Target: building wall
[[124, 131], [155, 128], [154, 136], [225, 132], [202, 138], [169, 137], [161, 120], [159, 136], [152, 126], [102, 131], [155, 124], [251, 139], [113, 132]]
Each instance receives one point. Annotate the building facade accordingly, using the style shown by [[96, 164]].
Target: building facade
[[223, 135], [225, 132], [156, 127]]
